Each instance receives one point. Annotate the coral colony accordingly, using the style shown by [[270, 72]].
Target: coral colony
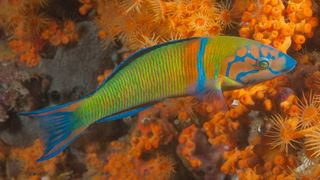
[[270, 131]]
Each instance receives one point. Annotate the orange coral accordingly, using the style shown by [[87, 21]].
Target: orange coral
[[121, 165], [153, 132], [57, 36], [93, 162], [265, 22], [136, 22], [248, 164], [28, 157], [221, 129], [186, 139], [259, 97], [239, 159], [300, 13], [29, 27]]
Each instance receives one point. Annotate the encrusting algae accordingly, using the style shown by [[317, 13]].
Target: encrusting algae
[[269, 131]]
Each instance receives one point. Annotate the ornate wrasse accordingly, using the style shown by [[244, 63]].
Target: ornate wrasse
[[193, 66]]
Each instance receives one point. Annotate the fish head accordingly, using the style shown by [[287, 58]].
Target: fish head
[[256, 63]]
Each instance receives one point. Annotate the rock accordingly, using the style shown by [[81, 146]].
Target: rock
[[74, 68]]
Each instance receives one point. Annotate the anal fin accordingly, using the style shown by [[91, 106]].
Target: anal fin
[[123, 114]]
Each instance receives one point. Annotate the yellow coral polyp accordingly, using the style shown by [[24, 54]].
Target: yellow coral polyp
[[135, 22], [309, 108], [312, 142], [283, 133]]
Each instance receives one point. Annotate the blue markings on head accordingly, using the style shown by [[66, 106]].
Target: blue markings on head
[[200, 65], [273, 71], [243, 74], [239, 59], [269, 63], [236, 59]]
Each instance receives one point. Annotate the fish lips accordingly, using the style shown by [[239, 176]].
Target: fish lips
[[290, 64]]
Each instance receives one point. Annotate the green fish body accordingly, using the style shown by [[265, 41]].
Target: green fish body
[[193, 66]]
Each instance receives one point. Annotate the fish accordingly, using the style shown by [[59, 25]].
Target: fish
[[197, 66]]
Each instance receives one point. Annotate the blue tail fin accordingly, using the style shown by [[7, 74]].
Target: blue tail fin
[[59, 125]]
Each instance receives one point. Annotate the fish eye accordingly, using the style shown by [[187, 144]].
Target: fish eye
[[263, 63]]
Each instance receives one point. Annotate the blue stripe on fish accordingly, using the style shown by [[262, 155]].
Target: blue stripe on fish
[[273, 71], [201, 73], [240, 59], [242, 74]]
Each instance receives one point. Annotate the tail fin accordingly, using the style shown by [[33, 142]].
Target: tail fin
[[60, 127]]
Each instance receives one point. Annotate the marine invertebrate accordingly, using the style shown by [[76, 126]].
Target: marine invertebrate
[[187, 146], [163, 167], [312, 142], [309, 110], [226, 13], [286, 99], [259, 97], [93, 162], [176, 19], [153, 131], [27, 157], [265, 21], [221, 129], [57, 36], [197, 153], [300, 13], [239, 159], [121, 165], [284, 132], [26, 23], [23, 21]]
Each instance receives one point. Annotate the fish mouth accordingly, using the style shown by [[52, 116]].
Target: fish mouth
[[290, 64]]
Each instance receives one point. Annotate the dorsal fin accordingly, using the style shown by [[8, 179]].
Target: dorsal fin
[[138, 54]]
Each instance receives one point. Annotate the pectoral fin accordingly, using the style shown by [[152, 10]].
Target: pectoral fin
[[230, 84], [214, 96]]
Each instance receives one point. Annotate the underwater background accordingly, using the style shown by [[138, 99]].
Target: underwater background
[[55, 51]]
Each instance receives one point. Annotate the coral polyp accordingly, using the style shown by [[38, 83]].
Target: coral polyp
[[226, 14], [278, 24], [313, 142], [309, 114], [284, 132]]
